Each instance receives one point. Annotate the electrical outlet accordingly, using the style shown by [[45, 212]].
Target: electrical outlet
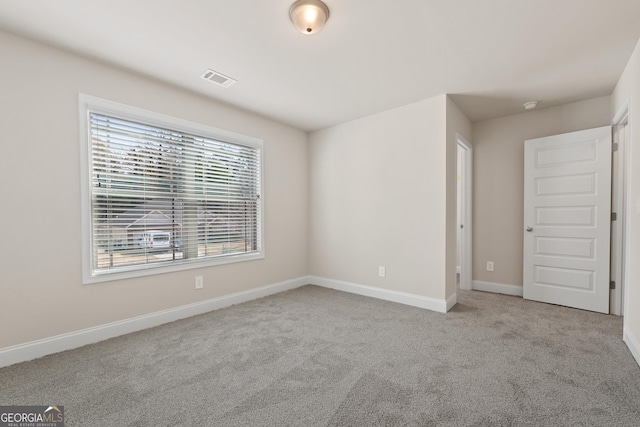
[[489, 265], [199, 282], [382, 271]]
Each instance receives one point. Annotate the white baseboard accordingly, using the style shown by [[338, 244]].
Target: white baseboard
[[451, 301], [432, 304], [633, 344], [43, 347], [496, 288]]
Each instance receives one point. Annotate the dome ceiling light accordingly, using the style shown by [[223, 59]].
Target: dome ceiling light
[[309, 16]]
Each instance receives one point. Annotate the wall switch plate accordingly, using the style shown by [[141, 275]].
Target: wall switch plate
[[382, 271], [199, 282], [489, 265]]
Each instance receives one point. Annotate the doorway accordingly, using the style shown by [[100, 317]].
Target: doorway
[[464, 212]]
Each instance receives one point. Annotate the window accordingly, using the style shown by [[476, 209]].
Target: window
[[162, 194]]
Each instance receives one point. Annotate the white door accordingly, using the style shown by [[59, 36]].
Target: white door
[[465, 187], [567, 214]]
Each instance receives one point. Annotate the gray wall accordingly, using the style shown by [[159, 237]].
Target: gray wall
[[378, 197], [40, 257], [628, 91]]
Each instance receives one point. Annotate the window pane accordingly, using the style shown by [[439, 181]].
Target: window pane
[[161, 196]]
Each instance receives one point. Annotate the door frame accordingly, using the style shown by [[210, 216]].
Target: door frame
[[466, 235], [621, 262]]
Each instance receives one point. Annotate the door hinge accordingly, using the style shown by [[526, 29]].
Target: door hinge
[[614, 147], [614, 216], [612, 285]]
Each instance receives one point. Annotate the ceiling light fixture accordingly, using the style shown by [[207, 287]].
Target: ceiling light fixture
[[309, 16], [530, 105]]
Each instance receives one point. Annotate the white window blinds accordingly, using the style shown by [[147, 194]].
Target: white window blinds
[[162, 196]]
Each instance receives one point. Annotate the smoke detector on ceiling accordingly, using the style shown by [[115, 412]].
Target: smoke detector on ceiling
[[530, 105], [218, 78]]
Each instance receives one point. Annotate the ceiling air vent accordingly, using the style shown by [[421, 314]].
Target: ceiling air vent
[[217, 78]]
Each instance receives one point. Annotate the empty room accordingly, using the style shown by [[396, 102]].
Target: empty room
[[320, 213]]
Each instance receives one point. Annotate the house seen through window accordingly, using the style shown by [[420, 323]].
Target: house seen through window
[[163, 194]]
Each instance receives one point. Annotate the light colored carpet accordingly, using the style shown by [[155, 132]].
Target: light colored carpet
[[318, 357]]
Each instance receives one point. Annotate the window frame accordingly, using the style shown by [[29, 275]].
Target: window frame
[[90, 104]]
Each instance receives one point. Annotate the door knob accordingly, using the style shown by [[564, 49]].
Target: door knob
[[529, 229]]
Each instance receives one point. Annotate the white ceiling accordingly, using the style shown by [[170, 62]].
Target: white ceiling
[[373, 55]]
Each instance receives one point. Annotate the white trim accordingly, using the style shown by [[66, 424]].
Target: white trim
[[88, 104], [633, 344], [466, 254], [497, 288], [141, 270], [451, 301], [68, 341], [619, 261], [105, 106], [627, 214], [623, 115], [439, 305]]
